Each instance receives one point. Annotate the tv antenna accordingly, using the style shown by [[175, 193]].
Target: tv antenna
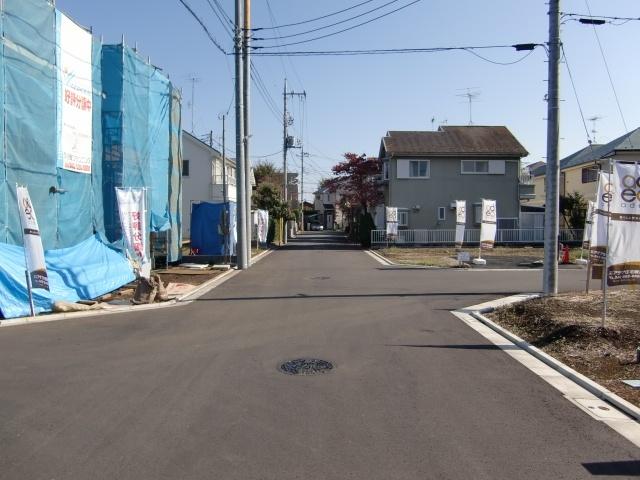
[[593, 121], [193, 79], [470, 96]]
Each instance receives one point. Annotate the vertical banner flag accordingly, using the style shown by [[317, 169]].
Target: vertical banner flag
[[488, 225], [262, 222], [33, 251], [623, 252], [461, 220], [598, 239], [391, 219], [588, 224], [131, 206], [75, 96]]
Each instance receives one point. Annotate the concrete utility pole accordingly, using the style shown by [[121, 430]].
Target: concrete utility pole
[[225, 197], [286, 146], [284, 156], [241, 248], [302, 155], [246, 73], [552, 200]]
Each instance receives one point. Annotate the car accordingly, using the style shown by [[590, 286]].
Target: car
[[317, 227]]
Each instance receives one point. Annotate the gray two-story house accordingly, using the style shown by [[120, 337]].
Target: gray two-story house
[[425, 172]]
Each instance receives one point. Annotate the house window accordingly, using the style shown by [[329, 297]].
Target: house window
[[185, 168], [475, 166], [589, 174], [419, 168], [441, 214], [385, 170], [403, 218]]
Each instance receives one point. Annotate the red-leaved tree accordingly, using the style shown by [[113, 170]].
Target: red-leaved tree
[[356, 178]]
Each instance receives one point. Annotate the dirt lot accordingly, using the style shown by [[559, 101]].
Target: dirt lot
[[503, 257], [124, 294], [569, 328]]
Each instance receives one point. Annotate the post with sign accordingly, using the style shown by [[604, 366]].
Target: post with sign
[[487, 229], [36, 269]]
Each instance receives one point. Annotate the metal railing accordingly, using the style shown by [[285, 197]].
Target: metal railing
[[472, 236]]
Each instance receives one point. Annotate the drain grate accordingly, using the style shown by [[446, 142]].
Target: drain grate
[[306, 366]]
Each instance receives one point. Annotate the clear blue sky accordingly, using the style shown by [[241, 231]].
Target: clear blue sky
[[353, 101]]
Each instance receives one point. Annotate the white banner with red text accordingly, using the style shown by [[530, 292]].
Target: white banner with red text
[[131, 206], [75, 96]]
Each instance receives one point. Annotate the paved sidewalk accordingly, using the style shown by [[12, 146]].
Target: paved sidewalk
[[194, 392]]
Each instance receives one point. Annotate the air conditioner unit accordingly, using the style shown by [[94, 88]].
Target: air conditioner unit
[[452, 206]]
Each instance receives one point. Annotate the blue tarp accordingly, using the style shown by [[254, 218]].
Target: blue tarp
[[84, 271], [207, 232]]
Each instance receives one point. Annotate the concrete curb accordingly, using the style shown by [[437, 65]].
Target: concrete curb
[[176, 302], [586, 383]]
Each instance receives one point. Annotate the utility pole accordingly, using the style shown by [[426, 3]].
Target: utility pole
[[552, 200], [284, 156], [302, 155], [224, 162], [241, 224], [246, 73], [286, 146]]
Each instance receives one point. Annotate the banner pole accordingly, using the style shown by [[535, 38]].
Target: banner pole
[[26, 271], [31, 306], [606, 257]]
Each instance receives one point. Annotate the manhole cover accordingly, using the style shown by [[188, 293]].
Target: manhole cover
[[320, 278], [306, 366]]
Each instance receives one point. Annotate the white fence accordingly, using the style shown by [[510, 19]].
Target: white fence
[[440, 237]]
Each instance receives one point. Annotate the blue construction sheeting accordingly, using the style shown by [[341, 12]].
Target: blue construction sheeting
[[29, 137], [139, 113], [85, 271], [207, 228], [136, 139]]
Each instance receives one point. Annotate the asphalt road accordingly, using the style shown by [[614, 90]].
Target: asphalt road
[[195, 392]]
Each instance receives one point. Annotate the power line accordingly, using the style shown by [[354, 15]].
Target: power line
[[280, 37], [313, 19], [606, 66], [226, 27], [575, 92], [348, 28], [204, 27], [390, 51]]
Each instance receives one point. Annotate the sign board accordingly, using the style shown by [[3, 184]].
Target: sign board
[[488, 225], [623, 202], [33, 251], [461, 220], [75, 97], [464, 256], [131, 206], [391, 219]]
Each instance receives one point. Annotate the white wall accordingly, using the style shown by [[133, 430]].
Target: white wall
[[197, 186]]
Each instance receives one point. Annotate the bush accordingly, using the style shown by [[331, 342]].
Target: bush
[[365, 225], [271, 232]]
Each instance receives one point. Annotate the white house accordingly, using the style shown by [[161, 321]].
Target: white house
[[202, 177]]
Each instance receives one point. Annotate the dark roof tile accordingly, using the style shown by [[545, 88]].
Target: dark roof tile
[[455, 140]]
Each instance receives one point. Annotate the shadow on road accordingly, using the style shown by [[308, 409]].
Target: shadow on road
[[306, 296], [462, 347], [320, 241], [627, 468]]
